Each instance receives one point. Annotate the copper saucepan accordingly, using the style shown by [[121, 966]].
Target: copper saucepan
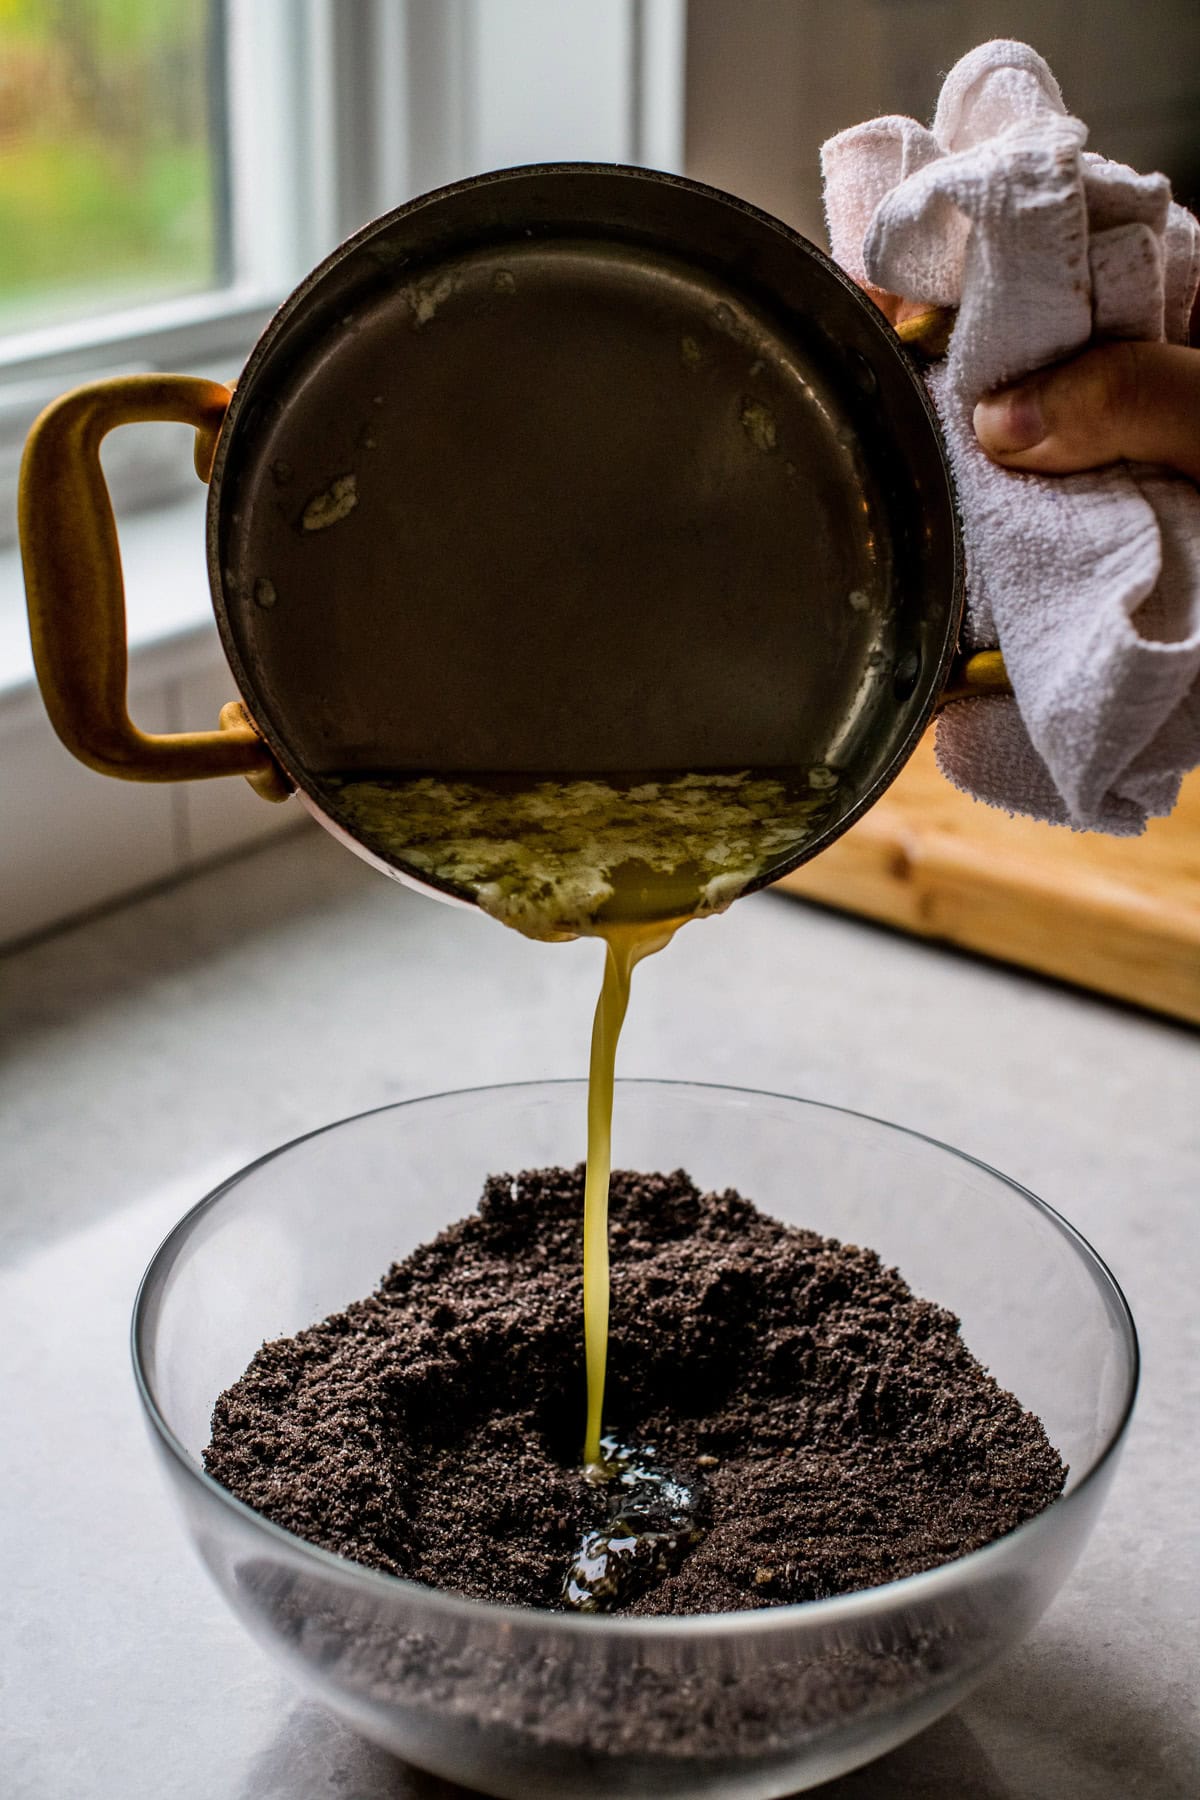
[[559, 470]]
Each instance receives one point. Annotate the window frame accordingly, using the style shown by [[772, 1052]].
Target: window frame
[[328, 127], [309, 149]]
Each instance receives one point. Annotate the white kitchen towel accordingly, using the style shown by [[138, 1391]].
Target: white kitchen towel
[[1090, 583]]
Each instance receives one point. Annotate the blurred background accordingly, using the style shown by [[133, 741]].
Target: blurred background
[[169, 169], [769, 80], [112, 156], [122, 178]]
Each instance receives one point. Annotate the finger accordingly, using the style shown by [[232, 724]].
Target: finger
[[888, 304], [894, 309], [1122, 400]]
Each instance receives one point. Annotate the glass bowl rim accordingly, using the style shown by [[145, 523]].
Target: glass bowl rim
[[837, 1609]]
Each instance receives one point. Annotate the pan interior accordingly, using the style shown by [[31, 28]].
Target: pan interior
[[569, 503]]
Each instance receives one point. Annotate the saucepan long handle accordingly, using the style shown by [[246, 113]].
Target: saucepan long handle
[[76, 594]]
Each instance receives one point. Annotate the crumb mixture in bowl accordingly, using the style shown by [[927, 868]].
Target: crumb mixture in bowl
[[830, 1429]]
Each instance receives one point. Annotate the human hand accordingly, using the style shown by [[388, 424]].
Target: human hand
[[1118, 400]]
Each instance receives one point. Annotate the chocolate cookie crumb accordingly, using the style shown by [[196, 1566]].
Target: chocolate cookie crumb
[[840, 1430]]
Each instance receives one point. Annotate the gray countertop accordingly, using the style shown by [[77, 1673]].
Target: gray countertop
[[151, 1052]]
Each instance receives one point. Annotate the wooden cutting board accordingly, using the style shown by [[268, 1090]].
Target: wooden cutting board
[[1120, 915]]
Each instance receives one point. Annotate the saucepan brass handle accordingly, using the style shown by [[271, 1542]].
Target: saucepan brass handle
[[974, 676], [927, 334], [76, 594]]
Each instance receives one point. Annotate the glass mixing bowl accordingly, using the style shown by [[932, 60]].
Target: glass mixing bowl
[[522, 1703]]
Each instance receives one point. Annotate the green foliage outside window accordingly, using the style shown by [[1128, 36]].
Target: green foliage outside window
[[110, 163]]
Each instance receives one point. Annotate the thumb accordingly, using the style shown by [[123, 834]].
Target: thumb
[[1119, 400]]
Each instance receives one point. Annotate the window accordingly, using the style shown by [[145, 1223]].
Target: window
[[162, 185]]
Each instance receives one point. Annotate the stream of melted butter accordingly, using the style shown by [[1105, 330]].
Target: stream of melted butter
[[624, 946], [628, 861]]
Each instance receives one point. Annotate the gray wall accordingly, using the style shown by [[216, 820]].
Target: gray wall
[[769, 79]]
